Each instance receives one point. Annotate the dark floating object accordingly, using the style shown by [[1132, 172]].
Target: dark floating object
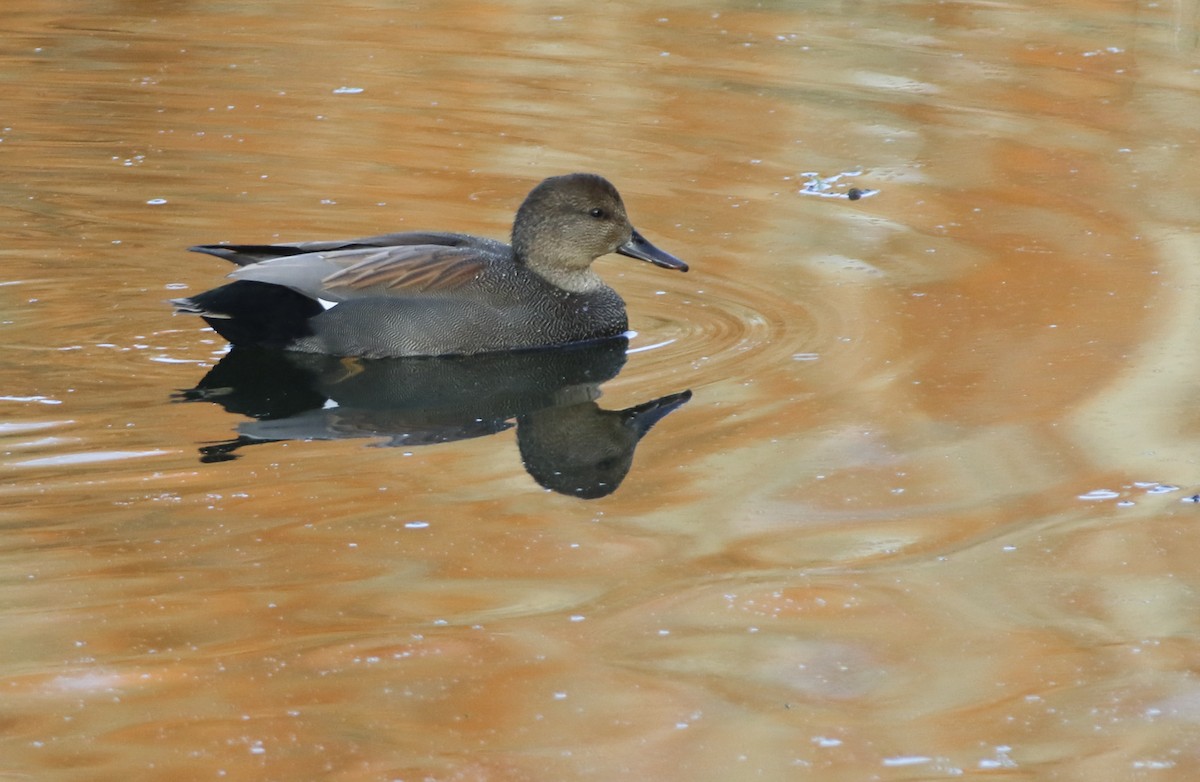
[[830, 187], [437, 294], [567, 442]]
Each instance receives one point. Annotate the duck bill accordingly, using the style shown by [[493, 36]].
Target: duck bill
[[638, 247]]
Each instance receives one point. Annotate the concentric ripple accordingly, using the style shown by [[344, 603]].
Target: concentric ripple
[[727, 329]]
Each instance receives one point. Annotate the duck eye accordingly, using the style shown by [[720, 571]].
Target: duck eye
[[597, 212]]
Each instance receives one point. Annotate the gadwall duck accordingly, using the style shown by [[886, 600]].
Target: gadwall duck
[[437, 294]]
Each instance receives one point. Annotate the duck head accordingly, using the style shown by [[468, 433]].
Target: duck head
[[567, 222]]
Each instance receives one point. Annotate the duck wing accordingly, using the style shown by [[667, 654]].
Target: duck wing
[[402, 270], [246, 254]]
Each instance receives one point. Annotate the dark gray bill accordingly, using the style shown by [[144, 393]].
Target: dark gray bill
[[638, 247]]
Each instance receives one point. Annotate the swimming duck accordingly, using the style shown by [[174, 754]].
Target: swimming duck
[[437, 294]]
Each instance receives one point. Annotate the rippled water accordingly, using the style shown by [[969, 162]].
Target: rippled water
[[919, 502]]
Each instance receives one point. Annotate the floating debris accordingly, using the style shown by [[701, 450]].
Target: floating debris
[[831, 186], [1100, 494]]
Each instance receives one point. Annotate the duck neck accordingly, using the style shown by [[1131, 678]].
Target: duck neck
[[573, 279], [554, 261]]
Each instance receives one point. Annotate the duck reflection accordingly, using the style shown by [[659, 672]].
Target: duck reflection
[[568, 443]]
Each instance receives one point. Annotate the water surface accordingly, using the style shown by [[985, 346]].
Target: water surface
[[925, 515]]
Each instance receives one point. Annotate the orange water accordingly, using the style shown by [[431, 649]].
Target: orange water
[[925, 516]]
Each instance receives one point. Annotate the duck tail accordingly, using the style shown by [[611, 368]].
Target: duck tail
[[252, 313]]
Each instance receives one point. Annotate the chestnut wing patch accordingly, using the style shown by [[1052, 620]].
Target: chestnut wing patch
[[416, 269]]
